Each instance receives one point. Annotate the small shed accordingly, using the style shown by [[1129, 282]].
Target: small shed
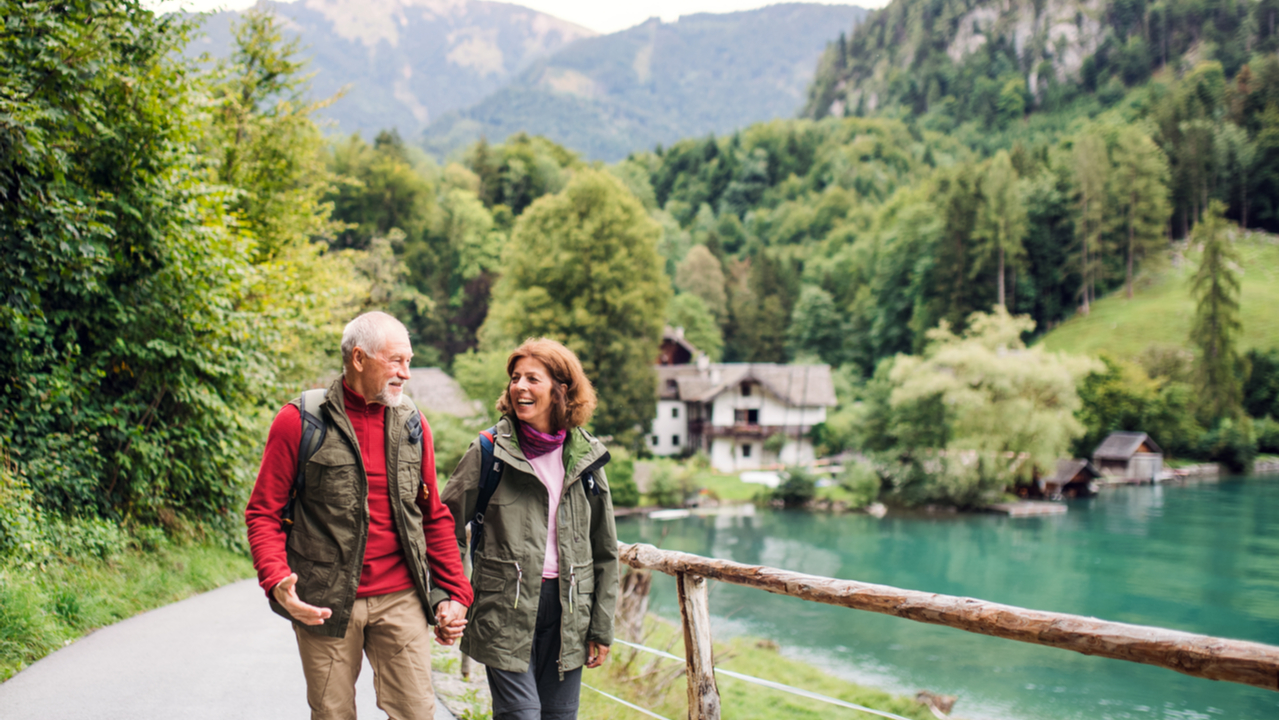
[[1129, 456], [1071, 478], [432, 389]]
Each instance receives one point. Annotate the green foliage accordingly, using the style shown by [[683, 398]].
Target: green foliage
[[689, 312], [1231, 443], [669, 487], [974, 414], [483, 376], [451, 436], [797, 489], [583, 268], [622, 479], [1260, 387], [700, 274], [861, 480], [136, 346], [1216, 289], [1122, 396], [1267, 430]]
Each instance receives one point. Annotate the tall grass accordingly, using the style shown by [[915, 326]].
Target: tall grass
[[44, 606]]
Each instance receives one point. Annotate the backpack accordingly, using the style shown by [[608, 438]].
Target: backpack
[[313, 432], [491, 468]]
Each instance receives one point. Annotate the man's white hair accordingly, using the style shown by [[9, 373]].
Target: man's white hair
[[368, 332]]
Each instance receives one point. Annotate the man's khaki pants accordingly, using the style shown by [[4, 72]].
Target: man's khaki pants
[[392, 630]]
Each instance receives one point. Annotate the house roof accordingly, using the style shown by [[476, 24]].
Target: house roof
[[1068, 468], [796, 385], [676, 335], [433, 389], [1122, 445]]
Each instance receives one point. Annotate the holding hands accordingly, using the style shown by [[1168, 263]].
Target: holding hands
[[451, 620]]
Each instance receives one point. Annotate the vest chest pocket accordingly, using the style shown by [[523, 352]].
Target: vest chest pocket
[[409, 472], [332, 475]]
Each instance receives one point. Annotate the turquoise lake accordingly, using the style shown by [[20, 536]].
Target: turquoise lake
[[1201, 558]]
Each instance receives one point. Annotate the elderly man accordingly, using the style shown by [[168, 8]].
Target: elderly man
[[367, 551]]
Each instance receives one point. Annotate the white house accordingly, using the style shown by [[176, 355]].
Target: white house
[[730, 410]]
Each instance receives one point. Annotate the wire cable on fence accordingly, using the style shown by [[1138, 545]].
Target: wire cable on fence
[[619, 700], [771, 684]]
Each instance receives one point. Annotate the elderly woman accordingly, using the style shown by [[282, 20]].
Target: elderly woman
[[546, 561]]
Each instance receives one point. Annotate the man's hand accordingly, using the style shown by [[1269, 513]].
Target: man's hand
[[451, 620], [286, 593], [596, 654]]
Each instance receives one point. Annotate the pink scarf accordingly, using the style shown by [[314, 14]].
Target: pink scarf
[[536, 444]]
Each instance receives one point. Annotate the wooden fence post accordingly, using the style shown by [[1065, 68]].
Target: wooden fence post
[[695, 612]]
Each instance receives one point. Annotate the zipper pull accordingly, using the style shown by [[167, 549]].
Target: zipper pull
[[519, 581], [573, 589]]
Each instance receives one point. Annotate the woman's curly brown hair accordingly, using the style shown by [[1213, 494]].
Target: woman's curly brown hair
[[573, 399]]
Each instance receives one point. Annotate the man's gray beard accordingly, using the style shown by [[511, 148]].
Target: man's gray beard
[[386, 398]]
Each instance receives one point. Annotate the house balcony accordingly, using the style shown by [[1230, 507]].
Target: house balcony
[[752, 430]]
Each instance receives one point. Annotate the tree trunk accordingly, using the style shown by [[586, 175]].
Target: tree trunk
[[1000, 280], [1084, 261]]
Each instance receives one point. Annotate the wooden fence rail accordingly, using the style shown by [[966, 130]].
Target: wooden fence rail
[[1214, 658]]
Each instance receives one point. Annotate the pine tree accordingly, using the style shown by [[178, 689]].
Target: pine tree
[[1090, 163], [1216, 289], [1002, 220], [1141, 196]]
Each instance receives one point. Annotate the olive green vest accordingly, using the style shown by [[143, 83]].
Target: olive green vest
[[331, 516]]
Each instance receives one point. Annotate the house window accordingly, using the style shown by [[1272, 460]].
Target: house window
[[672, 386], [675, 412], [655, 441], [746, 389], [746, 451], [746, 417], [675, 440]]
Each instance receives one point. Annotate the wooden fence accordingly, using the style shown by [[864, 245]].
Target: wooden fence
[[1199, 655]]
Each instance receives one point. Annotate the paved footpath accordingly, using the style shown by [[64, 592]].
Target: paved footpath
[[222, 655]]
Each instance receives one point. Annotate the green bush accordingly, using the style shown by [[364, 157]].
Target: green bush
[[1231, 443], [622, 479], [1267, 430], [798, 488], [666, 488], [861, 481]]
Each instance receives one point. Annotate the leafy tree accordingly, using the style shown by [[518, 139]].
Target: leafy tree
[[701, 274], [1121, 396], [1216, 289], [1005, 410], [378, 189], [1260, 387], [817, 327], [1091, 165], [1002, 221], [797, 489], [583, 268], [137, 350], [1141, 197], [689, 312]]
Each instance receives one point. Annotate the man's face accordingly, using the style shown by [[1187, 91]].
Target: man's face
[[383, 374]]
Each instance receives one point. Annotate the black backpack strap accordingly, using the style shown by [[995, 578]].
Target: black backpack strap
[[313, 432], [490, 476]]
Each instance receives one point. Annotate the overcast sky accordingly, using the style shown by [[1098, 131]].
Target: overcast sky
[[605, 17]]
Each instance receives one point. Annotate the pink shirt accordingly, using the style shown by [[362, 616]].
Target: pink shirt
[[550, 470]]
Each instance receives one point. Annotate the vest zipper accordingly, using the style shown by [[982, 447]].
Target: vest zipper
[[519, 582], [573, 589]]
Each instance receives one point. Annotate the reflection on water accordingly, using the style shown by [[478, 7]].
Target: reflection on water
[[1201, 558]]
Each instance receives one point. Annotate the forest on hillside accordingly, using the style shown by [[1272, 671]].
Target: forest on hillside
[[183, 244]]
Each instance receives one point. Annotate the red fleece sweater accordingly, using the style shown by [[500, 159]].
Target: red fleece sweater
[[384, 570]]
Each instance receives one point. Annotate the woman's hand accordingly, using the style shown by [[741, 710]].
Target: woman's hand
[[596, 654], [451, 620]]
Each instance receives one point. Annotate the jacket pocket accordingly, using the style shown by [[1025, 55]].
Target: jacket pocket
[[492, 616], [332, 476], [315, 562]]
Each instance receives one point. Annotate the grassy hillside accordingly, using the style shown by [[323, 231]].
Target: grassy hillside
[[1161, 310], [658, 82]]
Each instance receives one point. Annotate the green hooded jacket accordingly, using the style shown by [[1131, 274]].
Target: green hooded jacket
[[507, 575]]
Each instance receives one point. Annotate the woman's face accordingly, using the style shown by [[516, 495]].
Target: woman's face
[[530, 391]]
